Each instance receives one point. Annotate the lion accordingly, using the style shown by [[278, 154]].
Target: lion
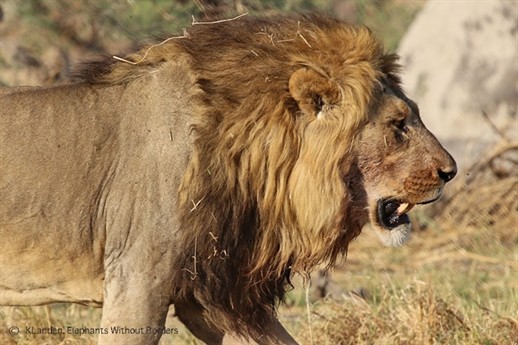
[[205, 171]]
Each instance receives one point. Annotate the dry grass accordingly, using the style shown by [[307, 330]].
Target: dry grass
[[415, 315], [458, 286]]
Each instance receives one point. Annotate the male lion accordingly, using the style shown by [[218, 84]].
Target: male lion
[[208, 171]]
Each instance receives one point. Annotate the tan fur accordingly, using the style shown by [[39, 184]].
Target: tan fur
[[208, 172]]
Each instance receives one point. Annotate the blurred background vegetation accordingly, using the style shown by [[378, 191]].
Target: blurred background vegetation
[[41, 39], [456, 280]]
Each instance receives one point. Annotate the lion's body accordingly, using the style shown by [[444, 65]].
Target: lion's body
[[203, 176], [49, 181], [85, 187]]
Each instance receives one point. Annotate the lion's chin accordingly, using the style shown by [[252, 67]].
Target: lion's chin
[[390, 220], [393, 237]]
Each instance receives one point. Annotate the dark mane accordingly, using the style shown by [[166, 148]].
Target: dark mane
[[91, 72]]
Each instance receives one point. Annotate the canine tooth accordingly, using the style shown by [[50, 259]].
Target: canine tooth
[[404, 208]]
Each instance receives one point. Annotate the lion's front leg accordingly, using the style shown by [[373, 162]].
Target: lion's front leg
[[135, 307], [275, 334], [190, 313]]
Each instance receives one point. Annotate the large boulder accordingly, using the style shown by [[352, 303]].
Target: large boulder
[[460, 62]]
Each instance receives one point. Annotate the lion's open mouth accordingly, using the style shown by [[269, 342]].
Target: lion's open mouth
[[392, 213]]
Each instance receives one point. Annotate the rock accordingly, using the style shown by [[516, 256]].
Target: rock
[[460, 61]]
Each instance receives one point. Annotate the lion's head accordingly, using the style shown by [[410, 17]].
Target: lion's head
[[302, 137], [394, 162], [402, 164]]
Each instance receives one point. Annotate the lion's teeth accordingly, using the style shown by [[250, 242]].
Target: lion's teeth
[[404, 208]]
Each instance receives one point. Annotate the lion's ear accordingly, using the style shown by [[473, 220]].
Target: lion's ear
[[313, 91]]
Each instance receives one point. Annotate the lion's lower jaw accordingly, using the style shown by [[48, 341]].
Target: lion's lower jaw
[[394, 237]]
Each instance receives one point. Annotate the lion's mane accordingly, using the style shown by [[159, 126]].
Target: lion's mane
[[264, 196]]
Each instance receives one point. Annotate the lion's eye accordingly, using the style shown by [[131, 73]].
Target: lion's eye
[[400, 129]]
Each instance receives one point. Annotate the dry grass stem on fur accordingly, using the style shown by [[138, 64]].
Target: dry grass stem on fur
[[195, 204], [297, 34], [194, 272], [195, 22], [185, 35]]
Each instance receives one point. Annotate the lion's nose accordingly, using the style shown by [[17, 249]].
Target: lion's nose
[[448, 173]]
